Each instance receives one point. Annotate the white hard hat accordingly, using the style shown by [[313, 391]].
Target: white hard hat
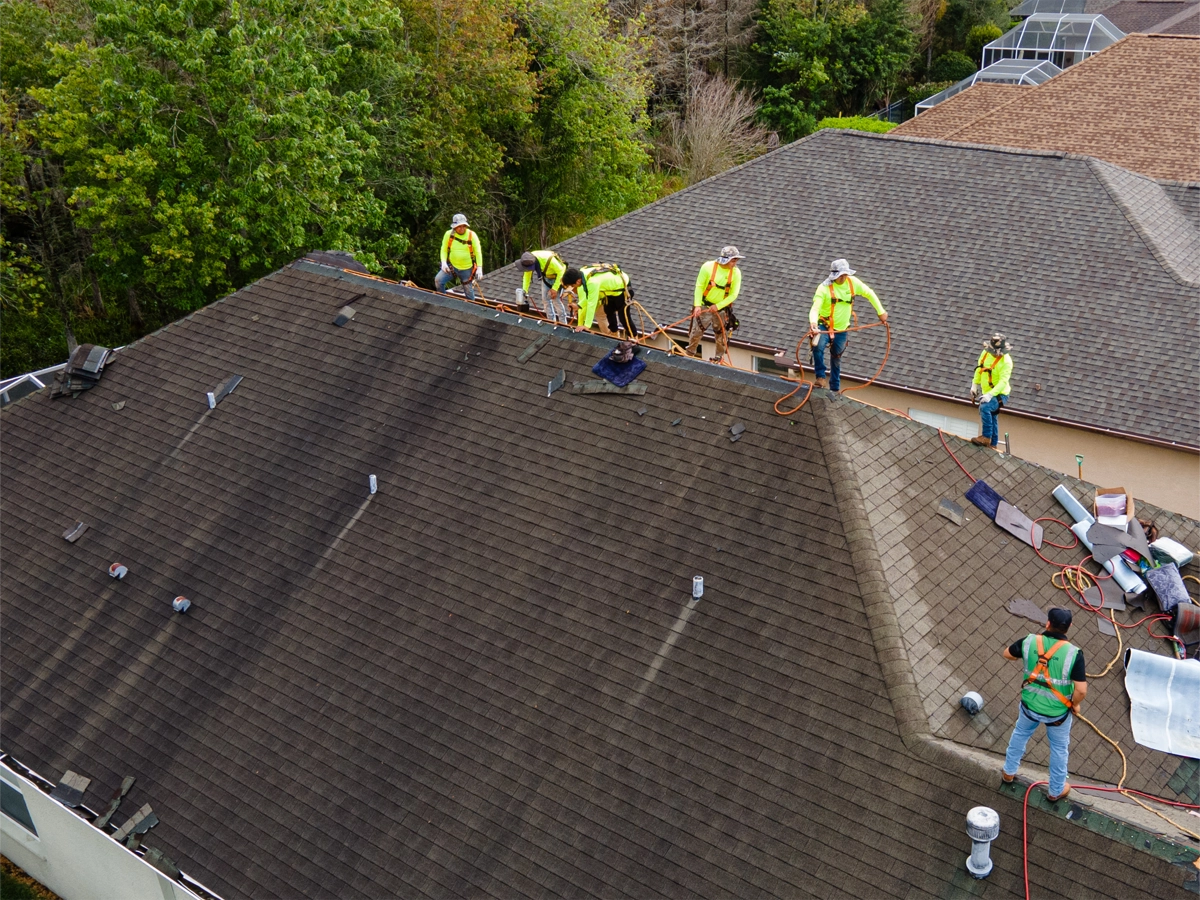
[[459, 219]]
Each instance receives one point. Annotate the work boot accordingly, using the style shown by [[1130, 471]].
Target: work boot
[[981, 440], [1053, 799], [822, 382]]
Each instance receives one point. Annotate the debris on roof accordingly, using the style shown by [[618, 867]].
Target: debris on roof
[[75, 532], [223, 390], [84, 369], [950, 510], [528, 353], [115, 801], [345, 314], [556, 382], [1162, 702], [139, 823], [70, 789], [604, 387], [1019, 606], [618, 372]]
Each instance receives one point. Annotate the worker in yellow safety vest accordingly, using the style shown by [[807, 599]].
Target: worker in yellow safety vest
[[550, 269], [830, 316], [990, 386], [462, 257], [601, 284], [1054, 687], [717, 286]]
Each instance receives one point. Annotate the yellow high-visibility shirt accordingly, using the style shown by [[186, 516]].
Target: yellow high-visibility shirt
[[992, 373], [842, 308], [552, 269], [597, 285], [725, 286], [464, 252]]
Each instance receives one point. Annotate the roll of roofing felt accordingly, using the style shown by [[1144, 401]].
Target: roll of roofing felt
[[1074, 508], [1163, 710]]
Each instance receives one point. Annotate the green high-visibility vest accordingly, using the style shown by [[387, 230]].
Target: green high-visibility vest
[[1038, 692]]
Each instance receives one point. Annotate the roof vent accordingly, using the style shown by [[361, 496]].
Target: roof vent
[[983, 827], [222, 391], [972, 702]]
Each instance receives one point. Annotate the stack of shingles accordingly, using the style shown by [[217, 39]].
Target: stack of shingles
[[84, 370]]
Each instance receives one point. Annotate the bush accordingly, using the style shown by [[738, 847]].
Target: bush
[[952, 66], [977, 37], [857, 123], [919, 92]]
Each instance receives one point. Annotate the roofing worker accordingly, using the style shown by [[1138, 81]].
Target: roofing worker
[[830, 316], [990, 386], [549, 268], [598, 284], [717, 286], [462, 257], [1055, 685]]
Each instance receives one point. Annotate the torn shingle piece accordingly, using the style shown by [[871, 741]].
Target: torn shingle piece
[[1019, 606], [604, 387], [1018, 524], [345, 314], [952, 511], [131, 825], [75, 532], [70, 789], [529, 352], [737, 429]]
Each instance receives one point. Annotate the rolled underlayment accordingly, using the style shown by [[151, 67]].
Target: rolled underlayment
[[1164, 698]]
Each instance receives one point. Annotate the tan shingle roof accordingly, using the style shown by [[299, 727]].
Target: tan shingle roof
[[961, 109], [1117, 106]]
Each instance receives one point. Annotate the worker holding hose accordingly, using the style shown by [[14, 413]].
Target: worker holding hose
[[1054, 687], [990, 386], [717, 286], [830, 316]]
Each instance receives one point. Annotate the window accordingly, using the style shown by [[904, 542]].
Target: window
[[13, 805], [768, 366]]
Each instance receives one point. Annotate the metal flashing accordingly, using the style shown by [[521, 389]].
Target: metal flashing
[[75, 532], [556, 382]]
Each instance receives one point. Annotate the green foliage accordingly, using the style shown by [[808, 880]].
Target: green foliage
[[960, 16], [827, 56], [952, 66], [977, 37], [856, 123], [919, 92]]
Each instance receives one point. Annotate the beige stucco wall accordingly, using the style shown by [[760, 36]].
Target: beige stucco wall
[[1166, 478]]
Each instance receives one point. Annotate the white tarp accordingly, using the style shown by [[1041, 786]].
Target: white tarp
[[1164, 697]]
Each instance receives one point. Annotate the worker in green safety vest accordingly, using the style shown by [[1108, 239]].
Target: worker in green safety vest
[[717, 286], [990, 386], [462, 257], [601, 284], [1054, 687], [831, 314], [549, 268]]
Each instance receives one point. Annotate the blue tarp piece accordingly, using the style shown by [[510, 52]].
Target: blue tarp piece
[[982, 495], [619, 374]]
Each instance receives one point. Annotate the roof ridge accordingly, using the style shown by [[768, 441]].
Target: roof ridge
[[1166, 231]]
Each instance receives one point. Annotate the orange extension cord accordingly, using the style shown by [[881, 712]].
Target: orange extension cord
[[1074, 579]]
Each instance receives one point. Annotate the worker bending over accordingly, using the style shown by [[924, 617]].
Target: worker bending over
[[830, 316], [601, 284], [462, 257], [1054, 687], [549, 268], [717, 286], [990, 386]]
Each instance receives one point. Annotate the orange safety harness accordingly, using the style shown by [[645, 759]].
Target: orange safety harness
[[712, 282], [982, 368], [469, 240], [1041, 673], [834, 300]]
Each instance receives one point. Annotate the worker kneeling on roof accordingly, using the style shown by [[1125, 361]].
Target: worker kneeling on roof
[[990, 387], [717, 286], [1054, 686], [462, 257], [830, 316], [549, 268], [601, 284]]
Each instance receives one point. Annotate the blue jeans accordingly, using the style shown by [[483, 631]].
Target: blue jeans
[[835, 357], [1060, 743], [442, 279], [987, 414]]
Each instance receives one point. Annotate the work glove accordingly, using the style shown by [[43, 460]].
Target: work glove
[[985, 398], [816, 338], [479, 276], [446, 267]]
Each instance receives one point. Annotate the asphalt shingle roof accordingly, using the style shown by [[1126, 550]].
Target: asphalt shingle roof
[[1149, 15], [485, 680], [1116, 105], [1067, 255]]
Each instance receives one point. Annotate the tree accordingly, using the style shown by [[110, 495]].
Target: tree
[[716, 131], [690, 38], [203, 144], [831, 56], [952, 66]]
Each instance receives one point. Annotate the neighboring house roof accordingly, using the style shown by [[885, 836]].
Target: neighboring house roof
[[970, 103], [1152, 15], [1186, 25], [1116, 105], [487, 679], [1075, 259], [1027, 72]]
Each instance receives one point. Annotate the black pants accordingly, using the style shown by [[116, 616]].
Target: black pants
[[617, 313]]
